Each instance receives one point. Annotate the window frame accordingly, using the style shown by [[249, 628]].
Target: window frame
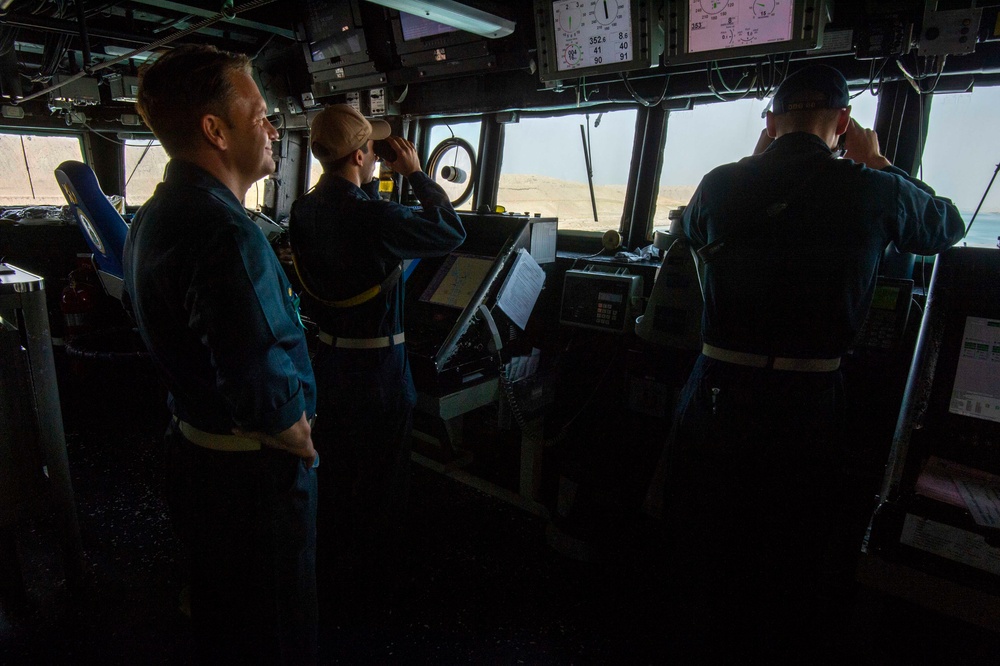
[[124, 163], [990, 202], [579, 238], [427, 125], [43, 132]]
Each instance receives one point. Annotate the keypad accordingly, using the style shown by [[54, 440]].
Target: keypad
[[606, 314]]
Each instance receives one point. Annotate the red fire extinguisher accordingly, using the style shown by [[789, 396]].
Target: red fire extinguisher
[[79, 301]]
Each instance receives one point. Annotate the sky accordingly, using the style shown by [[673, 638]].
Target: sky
[[963, 148]]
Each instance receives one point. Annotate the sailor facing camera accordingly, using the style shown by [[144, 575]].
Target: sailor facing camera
[[789, 242], [348, 249]]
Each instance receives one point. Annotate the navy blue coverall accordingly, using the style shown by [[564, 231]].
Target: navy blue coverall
[[792, 239], [345, 243], [220, 319]]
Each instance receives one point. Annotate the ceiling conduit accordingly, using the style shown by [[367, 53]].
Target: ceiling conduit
[[148, 47]]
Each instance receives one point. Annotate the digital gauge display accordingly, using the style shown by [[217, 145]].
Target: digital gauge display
[[723, 24], [591, 33]]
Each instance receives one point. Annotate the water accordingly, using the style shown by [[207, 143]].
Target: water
[[985, 229]]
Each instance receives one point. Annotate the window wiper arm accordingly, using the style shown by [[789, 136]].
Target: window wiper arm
[[590, 167], [982, 200]]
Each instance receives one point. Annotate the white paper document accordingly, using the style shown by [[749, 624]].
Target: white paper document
[[521, 288], [982, 500], [962, 486]]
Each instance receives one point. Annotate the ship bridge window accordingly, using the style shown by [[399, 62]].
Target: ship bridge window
[[454, 156], [27, 165], [713, 134], [145, 160], [544, 169], [254, 200], [315, 171], [959, 163]]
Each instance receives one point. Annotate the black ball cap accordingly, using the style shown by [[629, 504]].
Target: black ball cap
[[813, 87]]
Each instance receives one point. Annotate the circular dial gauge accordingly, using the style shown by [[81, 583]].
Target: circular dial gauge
[[714, 6], [762, 8], [572, 55], [607, 12], [594, 33], [569, 16]]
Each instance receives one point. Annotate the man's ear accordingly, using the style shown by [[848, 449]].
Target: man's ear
[[771, 129], [213, 129], [359, 158], [843, 120]]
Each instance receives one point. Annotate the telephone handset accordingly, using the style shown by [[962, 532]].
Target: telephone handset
[[886, 321]]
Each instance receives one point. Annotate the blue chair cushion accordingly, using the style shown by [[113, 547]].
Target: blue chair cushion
[[103, 227]]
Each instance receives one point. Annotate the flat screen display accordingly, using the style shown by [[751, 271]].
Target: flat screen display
[[885, 298], [976, 392], [336, 46], [418, 27], [715, 25], [703, 31], [590, 33], [458, 279]]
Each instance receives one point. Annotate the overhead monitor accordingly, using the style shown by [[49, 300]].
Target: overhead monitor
[[579, 38], [419, 40], [708, 30], [418, 27], [334, 35], [337, 47]]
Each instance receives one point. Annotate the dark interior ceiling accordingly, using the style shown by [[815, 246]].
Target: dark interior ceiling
[[42, 39], [42, 42], [137, 22]]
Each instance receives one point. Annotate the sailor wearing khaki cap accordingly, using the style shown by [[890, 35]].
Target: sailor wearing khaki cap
[[339, 130], [348, 248]]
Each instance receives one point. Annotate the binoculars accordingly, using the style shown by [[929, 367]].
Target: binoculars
[[384, 150]]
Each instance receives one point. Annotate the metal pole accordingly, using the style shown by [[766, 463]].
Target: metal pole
[[52, 437]]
